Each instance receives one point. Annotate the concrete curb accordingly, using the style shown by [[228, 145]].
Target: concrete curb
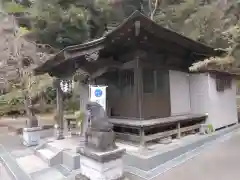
[[180, 156], [11, 166]]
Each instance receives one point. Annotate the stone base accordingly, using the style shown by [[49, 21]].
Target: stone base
[[166, 140], [58, 132], [102, 165], [100, 140], [31, 136]]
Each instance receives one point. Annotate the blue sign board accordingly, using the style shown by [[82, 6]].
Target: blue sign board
[[98, 92]]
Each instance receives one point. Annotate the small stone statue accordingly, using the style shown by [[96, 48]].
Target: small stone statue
[[99, 119], [99, 135], [33, 121]]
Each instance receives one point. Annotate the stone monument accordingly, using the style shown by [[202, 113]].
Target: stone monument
[[31, 134], [100, 159]]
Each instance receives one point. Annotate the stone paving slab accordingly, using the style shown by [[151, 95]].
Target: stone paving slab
[[31, 164], [21, 153], [47, 174]]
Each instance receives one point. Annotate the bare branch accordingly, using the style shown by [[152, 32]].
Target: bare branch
[[155, 8]]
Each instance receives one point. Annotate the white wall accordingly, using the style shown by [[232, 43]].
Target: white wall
[[223, 105], [220, 106], [199, 93], [179, 93]]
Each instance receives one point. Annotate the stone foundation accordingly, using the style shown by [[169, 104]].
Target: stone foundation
[[101, 165], [31, 136]]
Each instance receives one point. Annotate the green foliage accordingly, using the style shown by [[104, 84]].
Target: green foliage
[[79, 117], [210, 128], [71, 105], [14, 100], [11, 102], [13, 7], [58, 26], [63, 23]]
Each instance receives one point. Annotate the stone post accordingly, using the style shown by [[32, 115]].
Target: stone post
[[31, 134], [59, 115]]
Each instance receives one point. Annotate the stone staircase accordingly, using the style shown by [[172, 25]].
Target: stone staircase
[[54, 156], [51, 160]]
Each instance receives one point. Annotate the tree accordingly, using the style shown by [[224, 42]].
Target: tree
[[17, 58], [62, 23]]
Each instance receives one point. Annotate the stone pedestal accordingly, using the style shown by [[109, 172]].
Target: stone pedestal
[[31, 136], [101, 165], [58, 132]]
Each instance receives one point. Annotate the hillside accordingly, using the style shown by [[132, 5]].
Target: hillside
[[213, 22]]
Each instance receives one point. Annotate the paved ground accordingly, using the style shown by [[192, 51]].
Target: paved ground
[[3, 173], [219, 162], [20, 122]]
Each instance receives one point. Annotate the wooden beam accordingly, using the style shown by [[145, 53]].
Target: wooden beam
[[76, 54], [190, 128], [128, 65], [128, 137], [160, 135], [171, 132], [178, 130]]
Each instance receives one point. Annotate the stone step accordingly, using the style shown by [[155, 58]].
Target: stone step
[[71, 160], [38, 169], [50, 157], [52, 147], [63, 170]]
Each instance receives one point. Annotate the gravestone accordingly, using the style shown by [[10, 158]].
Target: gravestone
[[100, 158]]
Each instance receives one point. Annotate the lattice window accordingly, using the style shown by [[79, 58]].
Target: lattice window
[[223, 82], [155, 80], [127, 81]]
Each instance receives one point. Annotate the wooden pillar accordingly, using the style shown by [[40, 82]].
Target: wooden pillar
[[142, 138], [60, 111], [84, 98], [138, 86], [178, 130]]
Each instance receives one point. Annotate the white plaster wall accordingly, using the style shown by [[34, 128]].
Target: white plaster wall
[[223, 105], [199, 93], [179, 93]]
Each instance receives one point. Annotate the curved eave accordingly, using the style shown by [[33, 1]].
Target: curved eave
[[69, 54]]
